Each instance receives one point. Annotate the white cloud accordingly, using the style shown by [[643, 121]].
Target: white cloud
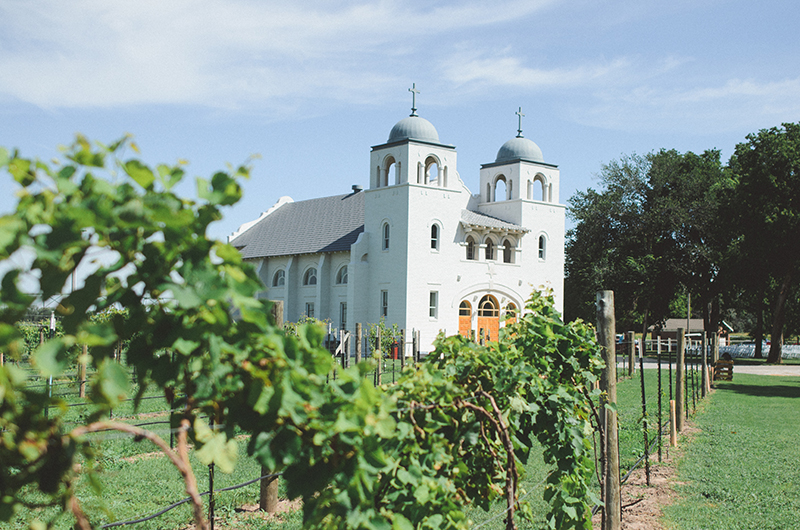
[[734, 105], [478, 70], [99, 53]]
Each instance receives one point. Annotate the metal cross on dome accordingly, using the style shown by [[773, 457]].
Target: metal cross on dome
[[414, 93], [519, 127]]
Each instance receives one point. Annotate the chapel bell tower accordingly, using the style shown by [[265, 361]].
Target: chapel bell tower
[[413, 154]]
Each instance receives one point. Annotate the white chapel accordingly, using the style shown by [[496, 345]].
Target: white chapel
[[416, 247]]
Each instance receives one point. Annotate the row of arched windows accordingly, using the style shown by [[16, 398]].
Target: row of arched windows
[[309, 277], [491, 250], [431, 172], [502, 189], [487, 307]]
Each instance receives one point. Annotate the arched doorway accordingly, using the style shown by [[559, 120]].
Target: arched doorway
[[488, 317], [464, 318]]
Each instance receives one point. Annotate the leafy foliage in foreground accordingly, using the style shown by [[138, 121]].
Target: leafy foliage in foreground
[[453, 431]]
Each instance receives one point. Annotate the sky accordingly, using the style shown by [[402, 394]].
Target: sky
[[309, 87]]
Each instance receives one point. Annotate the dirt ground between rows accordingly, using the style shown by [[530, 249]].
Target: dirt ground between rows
[[642, 504]]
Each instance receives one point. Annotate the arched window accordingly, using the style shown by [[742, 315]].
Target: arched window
[[279, 279], [434, 237], [432, 171], [488, 307], [464, 309], [385, 241], [539, 188], [508, 251], [471, 248], [500, 192], [542, 247], [310, 277], [389, 173], [341, 276], [489, 249]]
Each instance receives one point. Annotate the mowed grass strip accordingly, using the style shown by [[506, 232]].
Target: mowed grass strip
[[742, 469]]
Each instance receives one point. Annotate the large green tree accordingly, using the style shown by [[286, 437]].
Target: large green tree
[[650, 232], [767, 202]]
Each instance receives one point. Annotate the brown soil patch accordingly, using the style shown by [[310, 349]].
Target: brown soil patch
[[642, 504], [283, 507], [142, 456]]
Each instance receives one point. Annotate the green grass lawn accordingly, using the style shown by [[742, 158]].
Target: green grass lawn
[[742, 470]]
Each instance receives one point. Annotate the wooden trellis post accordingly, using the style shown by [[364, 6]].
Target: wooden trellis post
[[612, 513], [268, 491]]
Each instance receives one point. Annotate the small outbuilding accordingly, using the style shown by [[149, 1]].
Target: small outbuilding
[[696, 327]]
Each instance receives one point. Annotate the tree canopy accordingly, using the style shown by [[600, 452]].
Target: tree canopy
[[666, 224], [647, 234]]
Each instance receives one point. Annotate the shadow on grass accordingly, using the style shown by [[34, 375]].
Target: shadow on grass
[[790, 389]]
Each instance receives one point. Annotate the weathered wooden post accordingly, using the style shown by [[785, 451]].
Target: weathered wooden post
[[359, 339], [612, 513], [715, 349], [704, 367], [631, 353], [680, 398], [268, 493]]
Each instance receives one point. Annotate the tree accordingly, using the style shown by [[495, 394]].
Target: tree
[[685, 203], [653, 230], [767, 168], [453, 431], [611, 245]]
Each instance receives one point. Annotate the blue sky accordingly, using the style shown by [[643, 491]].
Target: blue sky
[[311, 86]]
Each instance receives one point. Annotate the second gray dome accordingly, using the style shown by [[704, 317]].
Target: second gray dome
[[517, 148]]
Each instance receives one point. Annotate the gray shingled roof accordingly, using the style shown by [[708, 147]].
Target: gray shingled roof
[[472, 218], [327, 224]]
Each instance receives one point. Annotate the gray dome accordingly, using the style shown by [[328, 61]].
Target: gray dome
[[414, 128], [519, 148]]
